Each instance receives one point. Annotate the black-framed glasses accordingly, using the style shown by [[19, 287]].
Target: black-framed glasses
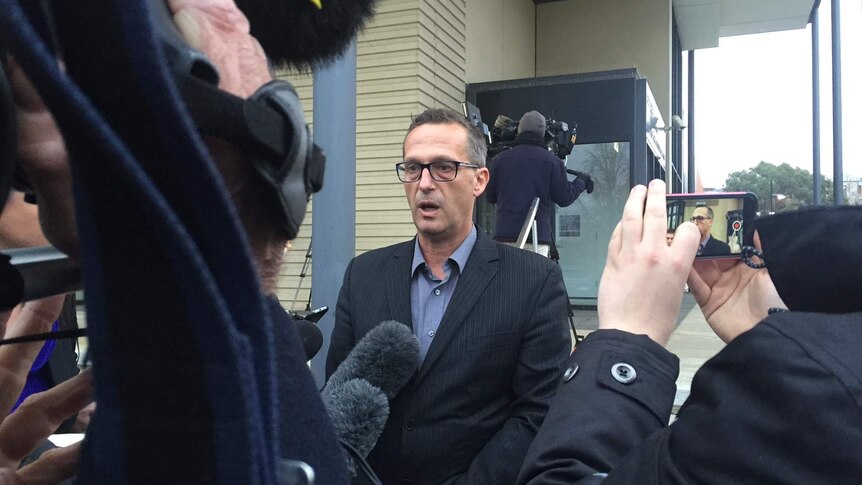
[[699, 218], [441, 171]]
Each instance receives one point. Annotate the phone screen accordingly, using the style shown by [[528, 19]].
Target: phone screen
[[720, 218]]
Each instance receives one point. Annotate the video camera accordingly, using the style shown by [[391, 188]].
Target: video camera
[[559, 136]]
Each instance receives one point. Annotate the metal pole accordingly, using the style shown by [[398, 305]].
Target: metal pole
[[333, 230], [837, 156], [815, 102], [771, 197], [690, 128], [668, 158]]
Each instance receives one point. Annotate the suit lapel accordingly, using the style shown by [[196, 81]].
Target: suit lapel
[[480, 270], [398, 283]]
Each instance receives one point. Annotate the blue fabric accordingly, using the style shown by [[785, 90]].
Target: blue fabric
[[39, 377], [180, 336]]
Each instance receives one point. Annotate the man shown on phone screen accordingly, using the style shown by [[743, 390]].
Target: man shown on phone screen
[[709, 246]]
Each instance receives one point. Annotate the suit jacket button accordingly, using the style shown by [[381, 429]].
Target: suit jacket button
[[570, 372], [623, 373], [410, 424]]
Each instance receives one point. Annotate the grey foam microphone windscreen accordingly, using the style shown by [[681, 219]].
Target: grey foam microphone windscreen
[[358, 411], [387, 357]]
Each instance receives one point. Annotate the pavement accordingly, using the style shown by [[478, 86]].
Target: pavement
[[692, 341]]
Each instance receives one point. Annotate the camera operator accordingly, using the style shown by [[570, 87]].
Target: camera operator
[[524, 172], [781, 403]]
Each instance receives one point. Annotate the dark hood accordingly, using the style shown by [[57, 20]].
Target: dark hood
[[814, 257]]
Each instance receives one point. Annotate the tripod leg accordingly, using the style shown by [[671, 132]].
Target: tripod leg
[[571, 314], [302, 274]]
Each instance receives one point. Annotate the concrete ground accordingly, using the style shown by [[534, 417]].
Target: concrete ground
[[692, 341]]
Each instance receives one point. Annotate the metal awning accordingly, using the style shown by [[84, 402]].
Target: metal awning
[[702, 22]]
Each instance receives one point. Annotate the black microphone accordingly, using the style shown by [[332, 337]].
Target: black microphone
[[303, 33], [311, 337], [356, 394], [32, 273]]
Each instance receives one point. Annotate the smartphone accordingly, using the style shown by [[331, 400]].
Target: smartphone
[[721, 217]]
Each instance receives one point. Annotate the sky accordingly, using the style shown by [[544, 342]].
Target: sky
[[753, 99]]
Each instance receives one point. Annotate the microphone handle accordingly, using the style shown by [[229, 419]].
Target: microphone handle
[[36, 273]]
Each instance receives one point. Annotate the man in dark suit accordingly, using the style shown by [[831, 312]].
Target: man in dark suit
[[490, 319], [779, 404], [702, 217]]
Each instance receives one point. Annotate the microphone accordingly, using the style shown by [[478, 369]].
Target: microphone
[[356, 394], [302, 33], [387, 357], [310, 336], [32, 273], [358, 412]]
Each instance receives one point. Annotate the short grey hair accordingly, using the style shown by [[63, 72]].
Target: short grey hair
[[477, 150]]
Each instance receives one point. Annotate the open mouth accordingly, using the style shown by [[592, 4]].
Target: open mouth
[[427, 207]]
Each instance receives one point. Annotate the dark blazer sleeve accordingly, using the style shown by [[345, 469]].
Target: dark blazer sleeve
[[563, 191], [544, 347], [491, 188], [594, 419], [341, 341], [764, 410]]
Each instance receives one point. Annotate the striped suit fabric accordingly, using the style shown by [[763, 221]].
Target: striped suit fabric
[[473, 407]]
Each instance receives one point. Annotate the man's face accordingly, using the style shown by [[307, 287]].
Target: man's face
[[701, 219], [442, 211], [669, 238]]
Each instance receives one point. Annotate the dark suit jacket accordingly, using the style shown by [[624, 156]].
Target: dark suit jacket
[[714, 247], [781, 404], [483, 389]]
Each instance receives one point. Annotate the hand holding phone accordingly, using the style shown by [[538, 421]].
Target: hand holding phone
[[641, 287], [732, 295]]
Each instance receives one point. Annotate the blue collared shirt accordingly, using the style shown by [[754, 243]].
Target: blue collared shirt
[[429, 296]]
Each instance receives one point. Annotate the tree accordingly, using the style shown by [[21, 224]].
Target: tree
[[779, 187]]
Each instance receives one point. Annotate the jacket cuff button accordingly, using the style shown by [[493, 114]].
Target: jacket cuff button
[[623, 373]]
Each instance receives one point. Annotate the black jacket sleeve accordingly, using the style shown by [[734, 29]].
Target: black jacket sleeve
[[341, 341], [769, 408], [564, 192], [491, 188], [595, 419]]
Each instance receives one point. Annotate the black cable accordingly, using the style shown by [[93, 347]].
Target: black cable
[[361, 463], [39, 337]]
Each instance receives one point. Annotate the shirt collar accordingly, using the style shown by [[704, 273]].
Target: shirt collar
[[460, 255]]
